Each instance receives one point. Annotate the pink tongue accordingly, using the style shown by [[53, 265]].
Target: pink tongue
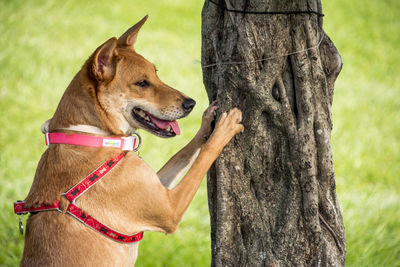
[[162, 124]]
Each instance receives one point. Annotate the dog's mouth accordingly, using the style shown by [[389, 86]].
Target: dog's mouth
[[162, 128]]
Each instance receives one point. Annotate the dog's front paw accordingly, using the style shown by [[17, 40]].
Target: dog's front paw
[[207, 119], [227, 126], [209, 115]]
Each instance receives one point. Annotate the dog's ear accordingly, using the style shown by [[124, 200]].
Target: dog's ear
[[129, 37], [103, 62]]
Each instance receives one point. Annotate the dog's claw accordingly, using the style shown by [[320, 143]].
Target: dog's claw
[[213, 107], [208, 117], [210, 112]]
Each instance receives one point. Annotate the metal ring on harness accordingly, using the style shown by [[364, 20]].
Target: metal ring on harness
[[140, 141]]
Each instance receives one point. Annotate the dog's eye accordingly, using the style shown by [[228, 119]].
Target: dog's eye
[[143, 84]]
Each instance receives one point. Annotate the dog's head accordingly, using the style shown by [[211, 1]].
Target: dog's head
[[129, 93]]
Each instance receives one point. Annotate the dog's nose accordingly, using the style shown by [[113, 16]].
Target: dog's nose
[[188, 104]]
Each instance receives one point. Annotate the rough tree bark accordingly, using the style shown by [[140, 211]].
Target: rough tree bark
[[272, 193]]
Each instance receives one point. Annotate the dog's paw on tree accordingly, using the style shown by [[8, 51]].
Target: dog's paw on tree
[[207, 119], [227, 126]]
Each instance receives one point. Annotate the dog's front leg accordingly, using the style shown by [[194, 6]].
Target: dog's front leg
[[228, 125], [184, 159], [157, 208]]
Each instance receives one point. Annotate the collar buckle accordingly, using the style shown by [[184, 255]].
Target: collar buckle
[[132, 143]]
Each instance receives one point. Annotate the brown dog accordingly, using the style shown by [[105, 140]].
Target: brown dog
[[116, 92]]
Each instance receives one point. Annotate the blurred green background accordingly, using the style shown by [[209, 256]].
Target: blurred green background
[[44, 43]]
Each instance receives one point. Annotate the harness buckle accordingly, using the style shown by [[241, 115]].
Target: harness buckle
[[18, 211], [20, 225]]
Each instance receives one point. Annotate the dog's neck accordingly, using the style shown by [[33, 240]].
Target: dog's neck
[[83, 128], [87, 129], [77, 110]]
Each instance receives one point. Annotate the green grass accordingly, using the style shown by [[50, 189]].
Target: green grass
[[366, 134], [44, 43]]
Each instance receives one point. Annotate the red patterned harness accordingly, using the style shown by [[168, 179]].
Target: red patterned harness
[[74, 193]]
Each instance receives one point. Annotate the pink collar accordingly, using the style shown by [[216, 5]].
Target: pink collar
[[129, 143]]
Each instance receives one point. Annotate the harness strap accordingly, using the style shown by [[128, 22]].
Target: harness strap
[[19, 207], [77, 213], [74, 193], [80, 188]]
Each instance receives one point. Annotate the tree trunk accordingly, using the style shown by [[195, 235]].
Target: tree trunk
[[272, 193]]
